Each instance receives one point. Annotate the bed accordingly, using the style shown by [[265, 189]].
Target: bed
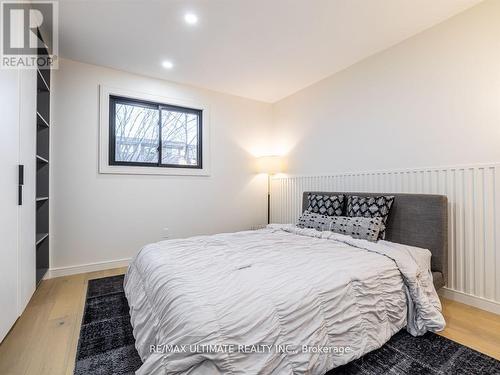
[[287, 300]]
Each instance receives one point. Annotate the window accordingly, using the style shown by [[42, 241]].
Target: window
[[150, 134]]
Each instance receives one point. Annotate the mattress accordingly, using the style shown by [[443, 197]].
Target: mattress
[[280, 300]]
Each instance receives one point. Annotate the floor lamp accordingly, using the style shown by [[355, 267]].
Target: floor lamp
[[270, 165]]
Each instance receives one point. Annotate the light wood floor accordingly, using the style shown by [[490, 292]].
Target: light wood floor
[[45, 337]]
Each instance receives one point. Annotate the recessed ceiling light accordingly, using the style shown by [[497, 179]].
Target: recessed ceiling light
[[167, 64], [191, 18]]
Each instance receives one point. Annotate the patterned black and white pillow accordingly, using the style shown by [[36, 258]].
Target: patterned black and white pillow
[[314, 221], [371, 207], [330, 205], [366, 228], [356, 227]]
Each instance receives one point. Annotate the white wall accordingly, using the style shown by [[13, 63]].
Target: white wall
[[100, 218], [432, 100], [412, 113]]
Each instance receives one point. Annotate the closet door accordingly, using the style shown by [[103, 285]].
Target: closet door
[[27, 212], [9, 153]]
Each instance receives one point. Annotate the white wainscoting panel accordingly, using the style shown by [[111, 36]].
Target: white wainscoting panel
[[473, 205]]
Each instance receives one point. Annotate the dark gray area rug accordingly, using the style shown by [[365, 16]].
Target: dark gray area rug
[[106, 345]]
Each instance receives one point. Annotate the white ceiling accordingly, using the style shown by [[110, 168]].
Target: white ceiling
[[260, 49]]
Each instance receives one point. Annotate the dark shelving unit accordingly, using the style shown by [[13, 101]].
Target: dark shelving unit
[[42, 236]]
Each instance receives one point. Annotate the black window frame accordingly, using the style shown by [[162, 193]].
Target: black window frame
[[116, 99]]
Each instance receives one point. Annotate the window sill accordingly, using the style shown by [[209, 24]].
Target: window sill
[[161, 171]]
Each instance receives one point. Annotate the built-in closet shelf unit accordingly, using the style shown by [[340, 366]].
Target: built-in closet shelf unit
[[42, 235]]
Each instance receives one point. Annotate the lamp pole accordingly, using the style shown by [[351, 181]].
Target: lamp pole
[[270, 165], [268, 198]]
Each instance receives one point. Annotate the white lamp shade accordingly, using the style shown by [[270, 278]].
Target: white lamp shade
[[270, 164]]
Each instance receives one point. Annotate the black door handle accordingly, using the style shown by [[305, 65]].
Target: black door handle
[[20, 186]]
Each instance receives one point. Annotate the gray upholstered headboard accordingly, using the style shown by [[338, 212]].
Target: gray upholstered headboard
[[418, 220]]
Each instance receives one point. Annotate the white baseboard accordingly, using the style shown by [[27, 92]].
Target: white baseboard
[[468, 299], [83, 268]]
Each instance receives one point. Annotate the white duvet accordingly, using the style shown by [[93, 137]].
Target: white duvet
[[280, 300]]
